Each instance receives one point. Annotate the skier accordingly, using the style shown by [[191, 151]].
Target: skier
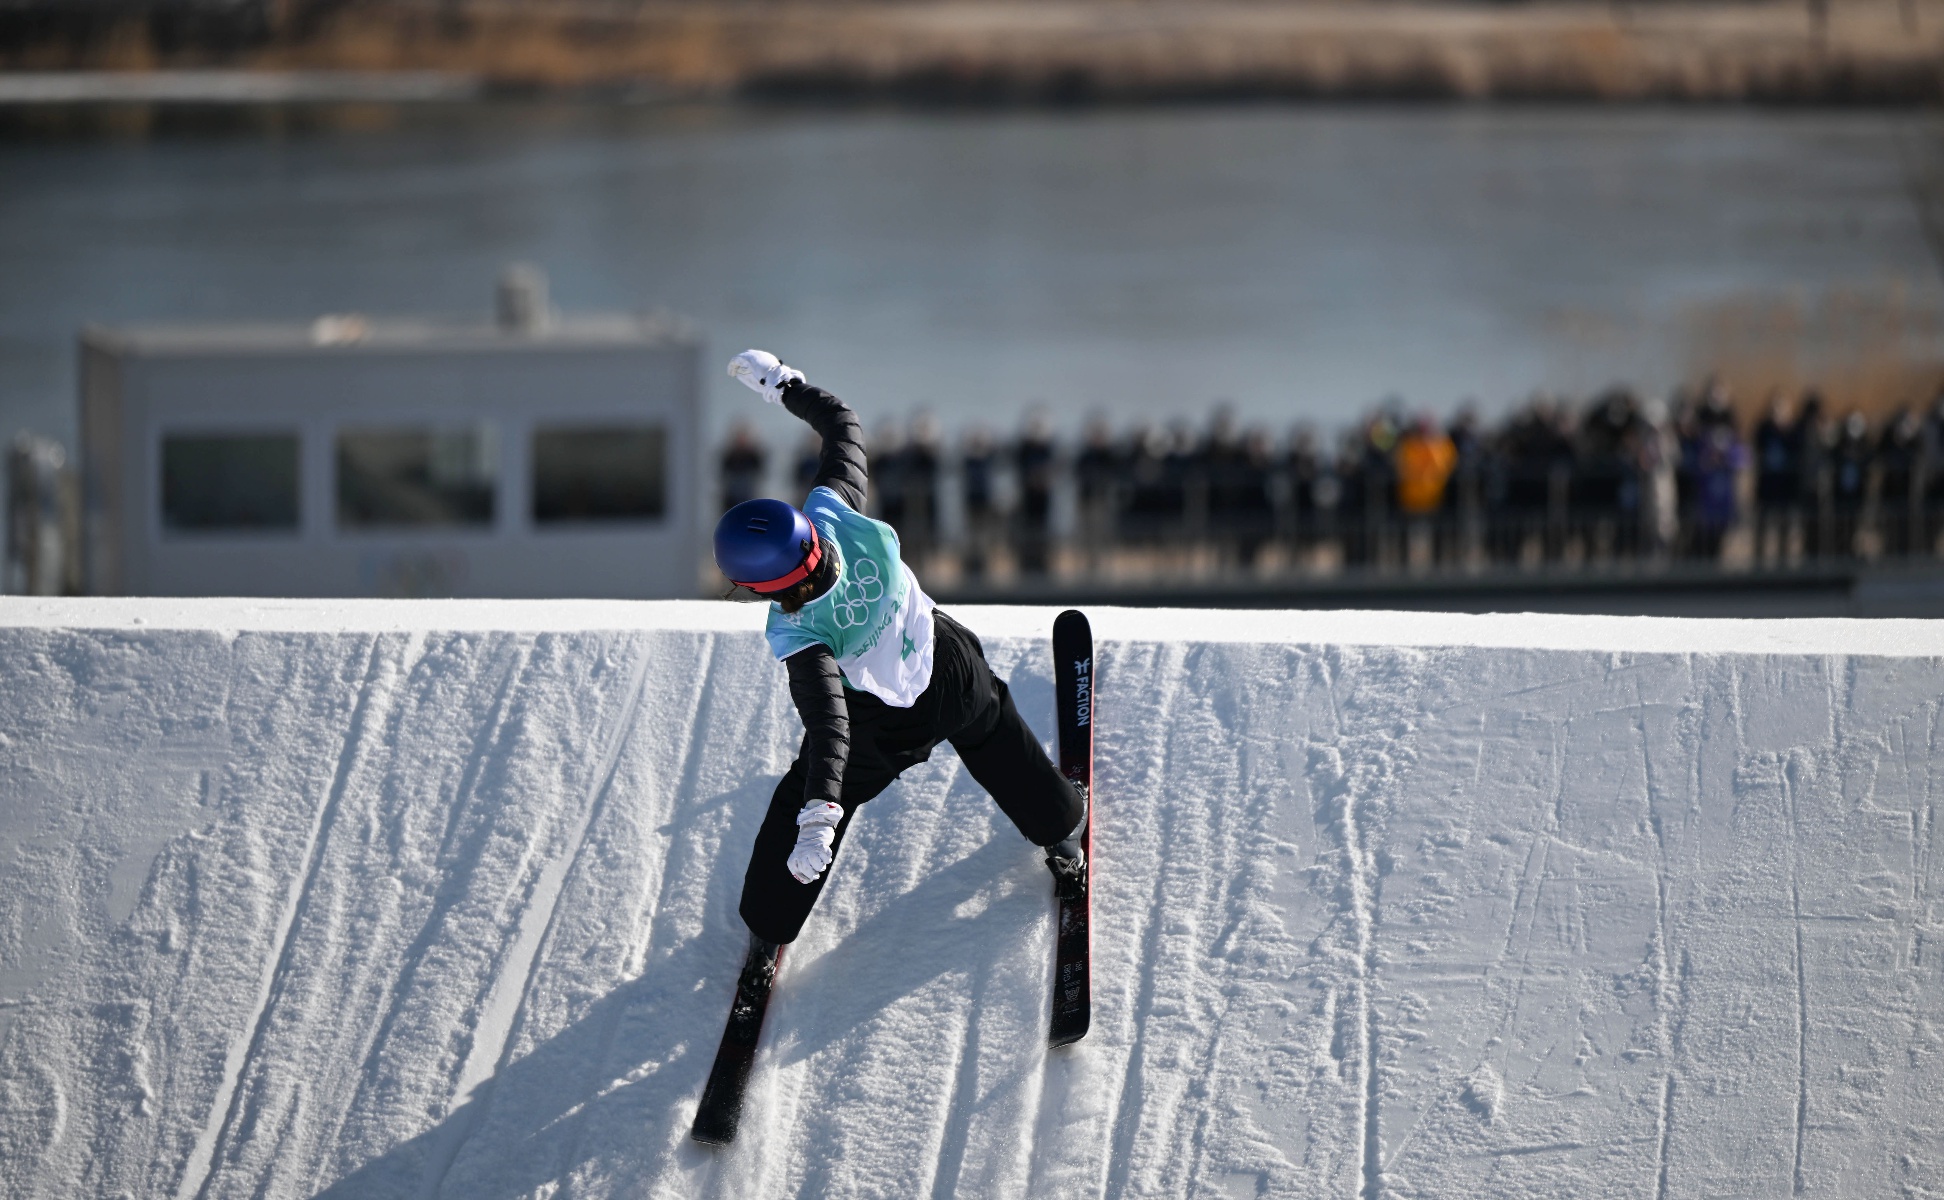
[[878, 676]]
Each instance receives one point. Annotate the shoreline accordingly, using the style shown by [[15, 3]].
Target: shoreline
[[959, 52]]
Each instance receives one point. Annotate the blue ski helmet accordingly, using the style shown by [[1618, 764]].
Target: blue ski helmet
[[766, 545]]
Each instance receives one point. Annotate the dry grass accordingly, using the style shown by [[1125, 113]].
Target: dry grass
[[951, 49]]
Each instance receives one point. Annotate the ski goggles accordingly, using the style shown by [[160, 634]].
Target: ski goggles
[[802, 571]]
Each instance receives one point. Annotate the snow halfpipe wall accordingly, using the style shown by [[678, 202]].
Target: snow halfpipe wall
[[324, 899]]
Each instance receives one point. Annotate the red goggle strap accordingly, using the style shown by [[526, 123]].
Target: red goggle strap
[[809, 564]]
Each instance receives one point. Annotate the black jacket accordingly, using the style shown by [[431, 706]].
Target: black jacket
[[816, 683]]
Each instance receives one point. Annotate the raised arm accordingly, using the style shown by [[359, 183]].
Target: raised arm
[[841, 468]]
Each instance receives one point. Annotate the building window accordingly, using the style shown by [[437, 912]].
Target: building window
[[220, 482], [599, 473], [415, 477]]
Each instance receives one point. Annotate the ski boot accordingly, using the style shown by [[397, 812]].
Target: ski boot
[[1067, 858], [754, 984]]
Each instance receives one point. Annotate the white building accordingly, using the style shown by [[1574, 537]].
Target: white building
[[538, 456]]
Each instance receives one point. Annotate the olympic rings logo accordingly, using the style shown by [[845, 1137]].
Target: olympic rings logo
[[863, 587]]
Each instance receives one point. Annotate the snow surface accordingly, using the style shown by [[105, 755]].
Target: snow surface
[[338, 899]]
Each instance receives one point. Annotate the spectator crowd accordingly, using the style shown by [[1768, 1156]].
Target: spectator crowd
[[1617, 480]]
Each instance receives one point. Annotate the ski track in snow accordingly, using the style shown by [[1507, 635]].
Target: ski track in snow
[[302, 914]]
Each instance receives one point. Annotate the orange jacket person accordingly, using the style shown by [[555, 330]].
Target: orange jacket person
[[1425, 458]]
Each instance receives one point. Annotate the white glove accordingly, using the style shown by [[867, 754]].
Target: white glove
[[761, 373], [816, 830]]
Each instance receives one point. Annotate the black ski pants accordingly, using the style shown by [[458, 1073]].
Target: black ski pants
[[965, 704]]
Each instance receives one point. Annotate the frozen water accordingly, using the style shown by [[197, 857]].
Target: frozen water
[[328, 899]]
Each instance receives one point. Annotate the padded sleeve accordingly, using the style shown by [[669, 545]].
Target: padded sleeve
[[817, 688], [842, 465]]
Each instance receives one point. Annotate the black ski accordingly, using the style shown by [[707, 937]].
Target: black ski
[[1073, 679], [720, 1112]]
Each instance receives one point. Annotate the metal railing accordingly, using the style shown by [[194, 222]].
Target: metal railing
[[1106, 533]]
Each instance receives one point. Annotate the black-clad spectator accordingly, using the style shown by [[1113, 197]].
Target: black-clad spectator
[[1182, 471], [1468, 493], [918, 476], [978, 466], [743, 462], [1816, 434], [1211, 477], [1681, 423], [1850, 461], [887, 459], [1378, 475], [1097, 473], [1899, 494], [1933, 476], [1536, 465], [1353, 492], [978, 463], [1596, 483], [1220, 448], [803, 468], [1035, 458], [1238, 467], [1257, 506], [1602, 489], [1143, 498], [1304, 469], [1467, 435], [1778, 478]]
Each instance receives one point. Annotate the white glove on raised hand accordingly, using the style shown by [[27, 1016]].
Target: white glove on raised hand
[[761, 373], [816, 830]]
